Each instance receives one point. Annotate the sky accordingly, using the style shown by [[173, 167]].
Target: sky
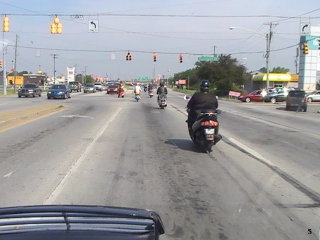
[[169, 28]]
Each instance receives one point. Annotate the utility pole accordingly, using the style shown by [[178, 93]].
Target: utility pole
[[54, 67], [15, 64], [214, 50], [85, 74], [268, 38], [4, 74]]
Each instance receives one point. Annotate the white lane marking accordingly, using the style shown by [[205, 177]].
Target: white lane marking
[[8, 174], [270, 123], [250, 150], [77, 163], [75, 116]]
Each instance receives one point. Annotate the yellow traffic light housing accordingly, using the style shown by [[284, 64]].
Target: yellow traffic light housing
[[56, 26], [1, 64], [305, 48], [6, 24]]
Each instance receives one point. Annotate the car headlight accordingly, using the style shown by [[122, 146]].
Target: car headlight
[[61, 92], [49, 92]]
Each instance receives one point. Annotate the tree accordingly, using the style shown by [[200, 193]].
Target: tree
[[275, 70], [88, 79], [280, 70], [224, 75], [263, 70]]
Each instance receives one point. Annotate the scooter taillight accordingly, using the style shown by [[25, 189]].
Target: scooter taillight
[[209, 123]]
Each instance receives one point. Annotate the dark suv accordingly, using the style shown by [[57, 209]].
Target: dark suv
[[296, 99]]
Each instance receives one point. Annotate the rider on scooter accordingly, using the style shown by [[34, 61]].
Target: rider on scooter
[[202, 100], [120, 88], [162, 90]]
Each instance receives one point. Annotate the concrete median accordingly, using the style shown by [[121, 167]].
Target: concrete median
[[18, 117]]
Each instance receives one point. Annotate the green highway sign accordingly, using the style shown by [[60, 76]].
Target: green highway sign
[[207, 58], [143, 79]]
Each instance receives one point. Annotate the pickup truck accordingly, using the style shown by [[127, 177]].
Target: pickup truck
[[29, 89], [75, 86]]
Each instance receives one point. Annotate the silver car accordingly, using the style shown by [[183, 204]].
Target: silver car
[[314, 96]]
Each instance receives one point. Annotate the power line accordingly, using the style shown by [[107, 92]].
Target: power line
[[141, 51], [76, 15]]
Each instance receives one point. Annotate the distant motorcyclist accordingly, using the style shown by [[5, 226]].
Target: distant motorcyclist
[[162, 91], [202, 100], [120, 88], [137, 89], [150, 87]]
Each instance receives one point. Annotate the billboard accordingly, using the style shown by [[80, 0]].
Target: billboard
[[182, 82], [71, 74]]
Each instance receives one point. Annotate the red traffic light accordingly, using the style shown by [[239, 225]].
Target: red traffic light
[[154, 55], [181, 58]]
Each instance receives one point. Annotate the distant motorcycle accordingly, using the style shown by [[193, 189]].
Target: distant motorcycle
[[121, 93], [137, 96], [162, 101], [150, 92], [204, 131]]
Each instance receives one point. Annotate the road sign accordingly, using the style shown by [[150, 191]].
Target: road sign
[[93, 26], [305, 28], [208, 59]]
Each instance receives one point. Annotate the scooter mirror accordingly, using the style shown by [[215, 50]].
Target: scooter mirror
[[187, 98]]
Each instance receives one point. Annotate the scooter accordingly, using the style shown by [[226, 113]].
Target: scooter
[[204, 131], [121, 93], [137, 96], [150, 92], [162, 101]]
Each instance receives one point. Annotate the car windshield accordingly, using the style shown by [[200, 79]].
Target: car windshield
[[58, 87], [250, 171], [29, 86], [297, 93]]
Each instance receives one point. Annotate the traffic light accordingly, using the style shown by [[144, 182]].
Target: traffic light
[[129, 57], [319, 43], [305, 48], [56, 26], [1, 64], [154, 57], [6, 24], [181, 58]]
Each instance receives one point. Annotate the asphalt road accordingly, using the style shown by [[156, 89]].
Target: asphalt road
[[260, 182]]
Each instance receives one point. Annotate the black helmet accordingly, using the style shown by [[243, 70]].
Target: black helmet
[[161, 83], [204, 86]]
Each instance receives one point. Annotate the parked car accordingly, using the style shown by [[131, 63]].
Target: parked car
[[89, 87], [112, 88], [30, 89], [59, 91], [253, 96], [275, 97], [314, 96], [75, 86], [296, 99]]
